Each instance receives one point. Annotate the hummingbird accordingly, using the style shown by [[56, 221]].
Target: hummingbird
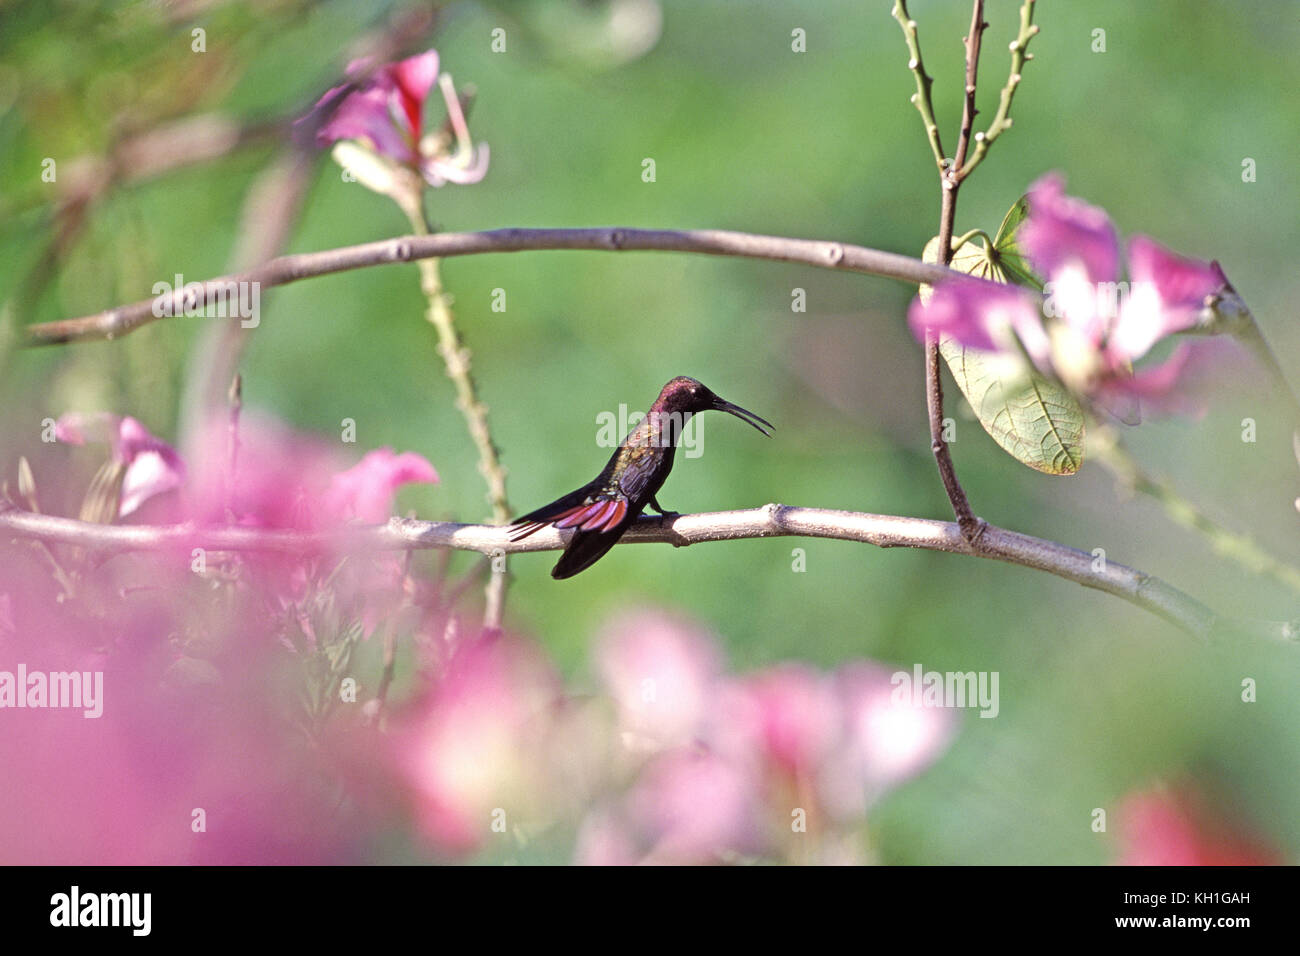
[[611, 502]]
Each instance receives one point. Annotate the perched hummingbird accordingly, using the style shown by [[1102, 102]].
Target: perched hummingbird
[[607, 506]]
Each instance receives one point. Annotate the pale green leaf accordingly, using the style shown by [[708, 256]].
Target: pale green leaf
[[1034, 419]]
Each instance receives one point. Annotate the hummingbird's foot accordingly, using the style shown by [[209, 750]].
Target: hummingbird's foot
[[663, 514]]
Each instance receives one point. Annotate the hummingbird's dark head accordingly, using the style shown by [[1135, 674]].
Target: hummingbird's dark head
[[687, 396]]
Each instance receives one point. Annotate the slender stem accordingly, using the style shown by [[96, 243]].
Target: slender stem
[[1107, 448], [1002, 118], [118, 321], [886, 531], [457, 359], [387, 674], [235, 397], [968, 112], [966, 237], [921, 99], [950, 183], [971, 526]]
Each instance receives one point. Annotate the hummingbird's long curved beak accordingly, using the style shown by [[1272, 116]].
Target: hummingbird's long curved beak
[[744, 415]]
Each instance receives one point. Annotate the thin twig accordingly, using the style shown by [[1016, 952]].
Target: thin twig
[[773, 520], [456, 357], [1002, 118], [968, 112], [970, 525], [950, 183], [1107, 448], [921, 99], [115, 322], [235, 398]]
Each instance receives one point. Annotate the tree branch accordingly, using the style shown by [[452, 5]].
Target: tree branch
[[949, 182], [921, 99], [885, 531], [1002, 118], [115, 322]]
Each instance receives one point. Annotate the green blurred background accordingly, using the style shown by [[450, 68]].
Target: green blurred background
[[1097, 697]]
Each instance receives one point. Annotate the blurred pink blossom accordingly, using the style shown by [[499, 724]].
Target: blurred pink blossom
[[287, 479], [190, 761], [696, 807], [472, 753], [152, 466], [787, 718], [659, 670], [1174, 826], [741, 756], [888, 740], [365, 491]]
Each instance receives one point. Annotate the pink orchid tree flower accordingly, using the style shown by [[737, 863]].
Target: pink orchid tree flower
[[365, 491], [285, 479], [693, 807], [385, 107], [153, 467], [1092, 327]]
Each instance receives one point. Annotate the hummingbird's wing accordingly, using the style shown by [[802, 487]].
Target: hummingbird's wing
[[600, 510], [599, 515], [588, 509]]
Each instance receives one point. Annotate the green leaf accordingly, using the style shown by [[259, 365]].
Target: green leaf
[[1034, 419], [1006, 250]]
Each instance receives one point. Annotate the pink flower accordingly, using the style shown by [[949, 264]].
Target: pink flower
[[365, 491], [473, 755], [695, 807], [888, 741], [284, 479], [1091, 327], [659, 670], [788, 717], [280, 476], [387, 110], [1174, 827], [152, 467], [172, 759], [287, 479]]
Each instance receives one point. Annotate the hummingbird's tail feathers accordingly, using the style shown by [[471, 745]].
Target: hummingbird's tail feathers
[[602, 514], [585, 549], [534, 521]]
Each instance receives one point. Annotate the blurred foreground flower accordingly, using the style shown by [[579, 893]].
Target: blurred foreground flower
[[140, 465], [282, 478], [385, 109], [781, 763], [162, 720], [473, 755], [1091, 327]]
